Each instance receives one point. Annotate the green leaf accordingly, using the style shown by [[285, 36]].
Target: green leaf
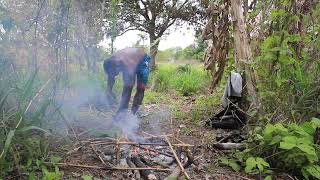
[[250, 164], [294, 38], [311, 170], [32, 176], [308, 127], [28, 128], [259, 160], [268, 178], [261, 163], [235, 166], [315, 122], [55, 159], [7, 144], [286, 145], [86, 177], [267, 133], [288, 142], [275, 140], [307, 149], [230, 162], [280, 128]]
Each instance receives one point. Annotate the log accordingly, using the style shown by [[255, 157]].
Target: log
[[110, 151], [229, 146], [177, 171], [136, 173], [148, 174], [146, 161]]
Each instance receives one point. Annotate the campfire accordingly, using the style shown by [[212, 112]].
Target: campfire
[[155, 157]]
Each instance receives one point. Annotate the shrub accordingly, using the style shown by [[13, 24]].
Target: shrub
[[289, 148]]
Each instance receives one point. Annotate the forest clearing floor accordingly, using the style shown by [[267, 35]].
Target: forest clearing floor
[[94, 122]]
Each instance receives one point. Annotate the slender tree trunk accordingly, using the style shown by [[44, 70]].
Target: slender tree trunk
[[112, 44], [243, 56], [154, 43], [93, 53]]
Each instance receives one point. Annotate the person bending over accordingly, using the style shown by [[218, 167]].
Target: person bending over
[[134, 64]]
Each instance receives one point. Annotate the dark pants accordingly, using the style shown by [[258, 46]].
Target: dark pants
[[126, 94]]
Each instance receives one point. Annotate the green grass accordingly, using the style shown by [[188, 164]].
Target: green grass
[[185, 79]]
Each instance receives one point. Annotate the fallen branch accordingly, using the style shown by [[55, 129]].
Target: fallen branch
[[141, 144], [153, 150], [146, 173], [177, 159], [177, 171], [155, 136], [229, 146], [118, 152], [108, 168], [74, 150], [99, 156], [136, 173]]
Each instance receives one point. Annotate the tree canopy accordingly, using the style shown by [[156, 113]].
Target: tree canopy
[[155, 17]]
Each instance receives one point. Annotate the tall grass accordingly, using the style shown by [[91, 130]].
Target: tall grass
[[25, 102], [186, 79]]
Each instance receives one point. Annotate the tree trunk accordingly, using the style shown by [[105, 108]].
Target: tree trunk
[[112, 44], [243, 56], [154, 43]]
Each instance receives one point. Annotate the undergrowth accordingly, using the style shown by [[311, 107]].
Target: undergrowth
[[25, 104], [278, 147]]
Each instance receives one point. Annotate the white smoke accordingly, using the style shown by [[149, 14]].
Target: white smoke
[[128, 123]]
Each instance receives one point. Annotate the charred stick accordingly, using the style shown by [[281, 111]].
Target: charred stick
[[99, 156], [177, 171], [110, 151], [136, 173], [108, 168], [118, 152], [145, 160], [177, 159], [151, 162], [141, 144], [153, 150], [148, 174]]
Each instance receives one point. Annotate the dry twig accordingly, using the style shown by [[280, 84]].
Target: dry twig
[[177, 159]]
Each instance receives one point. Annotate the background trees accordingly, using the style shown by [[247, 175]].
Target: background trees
[[155, 17], [274, 44]]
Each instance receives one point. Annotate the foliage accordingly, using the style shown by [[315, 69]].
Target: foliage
[[194, 51], [289, 148], [24, 143], [287, 62]]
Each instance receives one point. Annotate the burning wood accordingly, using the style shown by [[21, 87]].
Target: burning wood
[[146, 173], [136, 173], [150, 159]]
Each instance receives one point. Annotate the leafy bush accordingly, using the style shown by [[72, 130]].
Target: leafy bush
[[289, 148], [287, 68]]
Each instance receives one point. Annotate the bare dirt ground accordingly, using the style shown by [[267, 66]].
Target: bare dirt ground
[[95, 122]]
